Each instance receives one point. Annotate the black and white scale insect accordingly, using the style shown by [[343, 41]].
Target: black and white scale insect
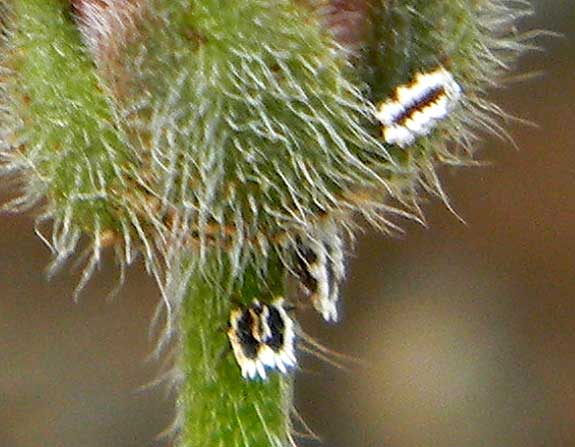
[[262, 337], [318, 265], [415, 108]]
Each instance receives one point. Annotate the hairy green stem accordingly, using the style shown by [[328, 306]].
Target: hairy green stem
[[69, 146], [219, 407]]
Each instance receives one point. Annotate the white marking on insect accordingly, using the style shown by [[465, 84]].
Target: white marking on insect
[[278, 337], [415, 108]]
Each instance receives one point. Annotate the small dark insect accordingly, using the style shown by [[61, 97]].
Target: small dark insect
[[319, 266], [262, 337]]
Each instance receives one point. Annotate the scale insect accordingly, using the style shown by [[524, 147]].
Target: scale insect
[[318, 265], [415, 108], [262, 337]]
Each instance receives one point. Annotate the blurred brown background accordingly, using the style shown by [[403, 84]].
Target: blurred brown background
[[469, 330]]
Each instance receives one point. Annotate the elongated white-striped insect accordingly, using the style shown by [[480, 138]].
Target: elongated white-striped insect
[[318, 264], [262, 337], [415, 108]]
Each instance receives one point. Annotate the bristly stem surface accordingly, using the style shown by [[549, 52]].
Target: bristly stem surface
[[217, 406]]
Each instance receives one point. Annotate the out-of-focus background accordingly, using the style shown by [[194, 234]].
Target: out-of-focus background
[[468, 331]]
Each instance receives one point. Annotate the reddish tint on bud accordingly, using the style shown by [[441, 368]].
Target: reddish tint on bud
[[104, 23], [348, 19], [107, 26]]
